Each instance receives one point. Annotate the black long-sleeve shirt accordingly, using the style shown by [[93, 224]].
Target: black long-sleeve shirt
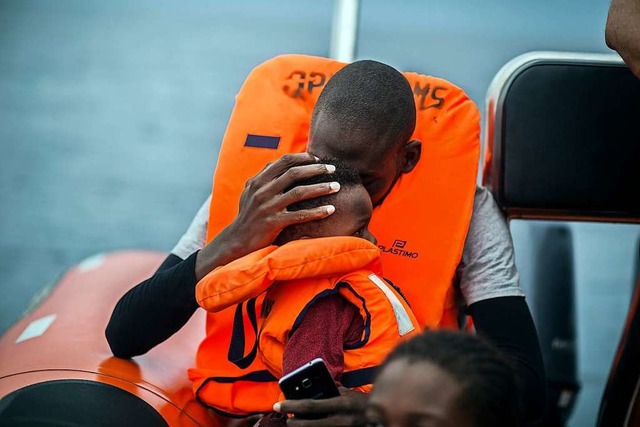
[[140, 321], [141, 318]]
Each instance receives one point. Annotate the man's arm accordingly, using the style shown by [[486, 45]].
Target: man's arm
[[489, 282], [507, 323], [158, 307], [129, 332], [623, 31], [140, 320]]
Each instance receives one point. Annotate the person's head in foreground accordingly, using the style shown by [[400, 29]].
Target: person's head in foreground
[[444, 378], [352, 203], [365, 116]]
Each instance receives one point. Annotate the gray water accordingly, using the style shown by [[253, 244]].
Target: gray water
[[111, 114]]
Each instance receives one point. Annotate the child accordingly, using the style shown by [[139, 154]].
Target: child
[[445, 378], [324, 297]]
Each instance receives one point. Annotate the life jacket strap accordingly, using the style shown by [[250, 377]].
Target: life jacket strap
[[236, 347], [358, 377]]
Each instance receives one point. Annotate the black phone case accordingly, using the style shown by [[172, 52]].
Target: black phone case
[[312, 381]]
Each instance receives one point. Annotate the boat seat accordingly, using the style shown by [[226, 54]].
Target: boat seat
[[563, 138], [562, 142], [76, 403]]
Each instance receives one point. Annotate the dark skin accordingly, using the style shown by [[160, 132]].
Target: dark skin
[[351, 218], [623, 31], [379, 164], [263, 215], [416, 394]]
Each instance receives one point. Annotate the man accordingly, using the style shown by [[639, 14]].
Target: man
[[377, 145], [623, 31], [324, 297]]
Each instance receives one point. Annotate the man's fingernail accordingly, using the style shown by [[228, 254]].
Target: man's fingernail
[[276, 407], [335, 186], [331, 209], [330, 168]]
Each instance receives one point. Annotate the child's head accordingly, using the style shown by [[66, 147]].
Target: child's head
[[447, 378], [352, 203]]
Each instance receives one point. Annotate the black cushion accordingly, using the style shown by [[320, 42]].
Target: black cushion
[[76, 403], [568, 142]]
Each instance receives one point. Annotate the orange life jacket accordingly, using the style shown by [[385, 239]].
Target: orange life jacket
[[422, 224], [296, 275]]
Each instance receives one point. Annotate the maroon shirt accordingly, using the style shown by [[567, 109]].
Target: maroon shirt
[[329, 324]]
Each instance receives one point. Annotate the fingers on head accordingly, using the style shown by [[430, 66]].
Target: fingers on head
[[304, 192], [307, 215], [286, 162], [298, 173], [287, 170]]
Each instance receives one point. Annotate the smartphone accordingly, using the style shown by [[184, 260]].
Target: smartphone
[[310, 381]]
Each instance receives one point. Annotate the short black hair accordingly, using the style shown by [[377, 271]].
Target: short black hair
[[491, 393], [344, 175], [372, 97]]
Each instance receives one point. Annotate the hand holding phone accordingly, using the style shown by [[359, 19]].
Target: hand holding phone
[[310, 381]]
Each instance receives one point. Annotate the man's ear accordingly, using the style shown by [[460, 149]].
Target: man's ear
[[412, 153]]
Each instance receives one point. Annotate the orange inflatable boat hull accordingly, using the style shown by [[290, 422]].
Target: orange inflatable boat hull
[[62, 340]]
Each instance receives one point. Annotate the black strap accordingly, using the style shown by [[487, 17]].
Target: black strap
[[263, 376], [236, 346], [359, 377]]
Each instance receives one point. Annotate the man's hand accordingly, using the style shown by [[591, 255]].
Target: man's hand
[[345, 410], [263, 209]]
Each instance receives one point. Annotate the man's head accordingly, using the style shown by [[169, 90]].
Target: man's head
[[352, 203], [365, 116], [445, 379]]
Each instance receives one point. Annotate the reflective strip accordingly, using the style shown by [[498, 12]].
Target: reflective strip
[[402, 317], [36, 328]]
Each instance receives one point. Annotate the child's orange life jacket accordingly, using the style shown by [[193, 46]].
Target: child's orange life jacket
[[296, 275], [422, 224]]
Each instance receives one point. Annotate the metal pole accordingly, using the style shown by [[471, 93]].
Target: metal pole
[[344, 32]]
